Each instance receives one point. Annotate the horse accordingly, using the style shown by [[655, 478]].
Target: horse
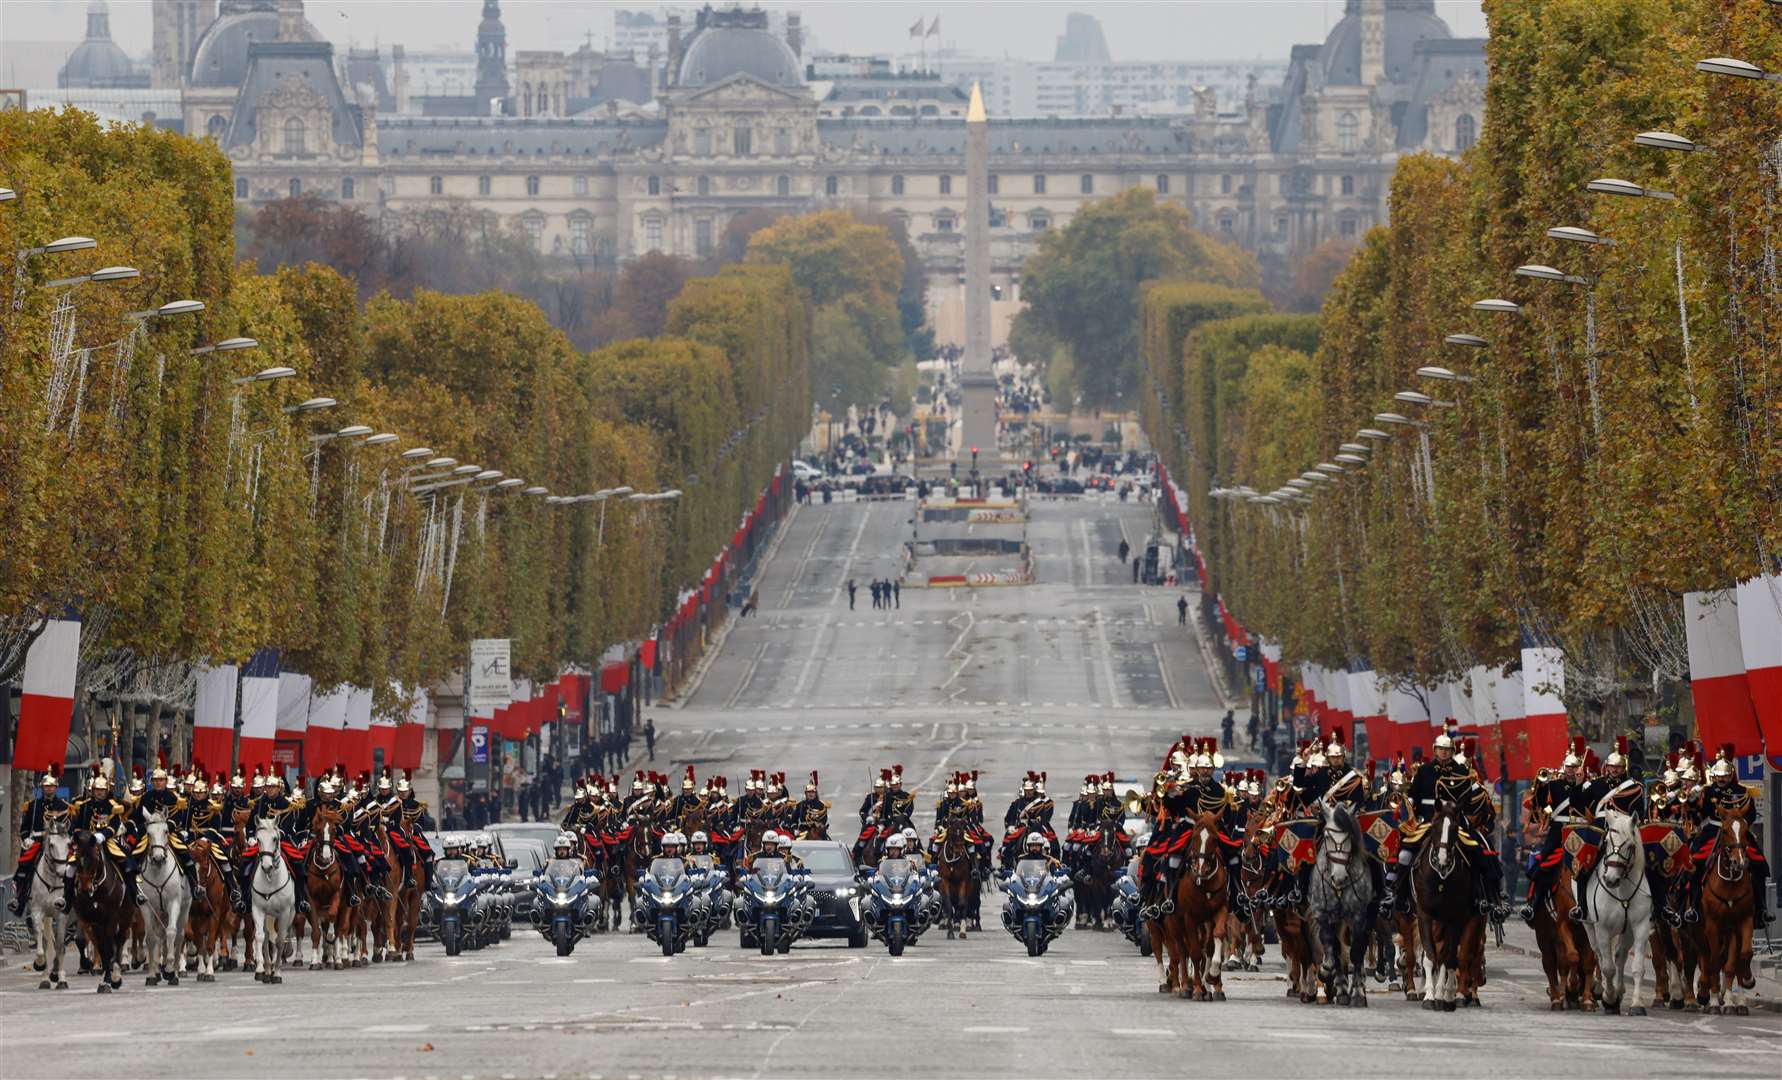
[[1443, 892], [1729, 910], [101, 904], [166, 901], [274, 900], [1245, 945], [635, 855], [1618, 909], [241, 924], [49, 919], [327, 890], [208, 924], [1097, 867], [1677, 953], [958, 878], [1202, 910], [1341, 904]]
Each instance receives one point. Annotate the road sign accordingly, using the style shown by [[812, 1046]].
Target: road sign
[[479, 744], [1243, 653], [1261, 679], [491, 676]]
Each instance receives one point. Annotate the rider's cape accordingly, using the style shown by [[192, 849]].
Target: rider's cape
[[1666, 847]]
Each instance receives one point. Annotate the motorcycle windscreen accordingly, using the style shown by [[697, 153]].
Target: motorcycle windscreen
[[563, 874], [448, 874], [770, 872], [897, 873], [1032, 874], [667, 871]]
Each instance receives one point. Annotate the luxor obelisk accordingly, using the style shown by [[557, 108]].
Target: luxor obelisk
[[977, 382]]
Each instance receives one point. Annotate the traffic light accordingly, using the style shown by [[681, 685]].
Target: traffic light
[[1027, 467], [974, 457]]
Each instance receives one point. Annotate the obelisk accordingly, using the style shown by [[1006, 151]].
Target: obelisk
[[977, 381]]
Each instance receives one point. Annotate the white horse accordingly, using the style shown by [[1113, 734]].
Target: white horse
[[1620, 913], [274, 900], [49, 918], [166, 902]]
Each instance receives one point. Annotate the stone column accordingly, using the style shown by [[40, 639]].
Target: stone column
[[977, 382]]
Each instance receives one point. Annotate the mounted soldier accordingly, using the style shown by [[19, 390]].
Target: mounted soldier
[[899, 805], [100, 814], [811, 817], [1615, 790], [407, 823], [163, 800], [1725, 795], [46, 811], [1442, 777]]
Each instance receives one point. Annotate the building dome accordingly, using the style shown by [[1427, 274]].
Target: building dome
[[221, 58], [737, 43], [98, 61], [1407, 23]]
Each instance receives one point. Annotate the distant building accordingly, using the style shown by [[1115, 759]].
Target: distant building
[[1082, 41], [593, 161], [97, 62]]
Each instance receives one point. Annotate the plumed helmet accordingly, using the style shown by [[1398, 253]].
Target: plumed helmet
[[1027, 781], [1334, 750], [1316, 760], [581, 791], [1574, 754], [953, 784], [811, 784], [1039, 785], [48, 779], [327, 786], [687, 782], [1618, 756], [1447, 740], [1723, 763], [638, 783], [699, 837], [405, 785], [160, 772], [971, 782]]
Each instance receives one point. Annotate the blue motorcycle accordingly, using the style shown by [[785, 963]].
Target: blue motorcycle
[[1124, 910], [775, 907], [897, 909], [1039, 907], [668, 907], [452, 903], [561, 911]]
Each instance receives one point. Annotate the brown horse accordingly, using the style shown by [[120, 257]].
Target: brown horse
[[1245, 944], [1202, 910], [387, 916], [1729, 910], [207, 927], [958, 877], [1676, 953], [327, 889], [100, 905], [244, 924], [1447, 923]]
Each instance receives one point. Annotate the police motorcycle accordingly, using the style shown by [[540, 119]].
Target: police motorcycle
[[1039, 905], [496, 886], [775, 904], [450, 906], [712, 882], [900, 903], [561, 911], [670, 902], [1124, 909]]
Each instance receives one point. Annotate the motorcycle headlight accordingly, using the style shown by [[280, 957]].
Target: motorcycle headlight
[[1033, 901], [449, 900], [562, 898], [846, 892]]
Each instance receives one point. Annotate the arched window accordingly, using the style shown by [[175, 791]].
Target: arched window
[[215, 125], [1348, 133], [897, 185], [294, 136], [783, 186], [1466, 132]]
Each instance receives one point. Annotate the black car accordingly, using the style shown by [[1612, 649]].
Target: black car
[[837, 891]]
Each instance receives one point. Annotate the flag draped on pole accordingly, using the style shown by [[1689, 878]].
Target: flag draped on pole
[[1503, 741], [293, 709], [1367, 703], [1409, 725], [260, 703], [383, 730], [327, 717], [47, 707], [1723, 709], [213, 717], [1760, 643], [355, 742], [1543, 679], [410, 733], [916, 28], [934, 28]]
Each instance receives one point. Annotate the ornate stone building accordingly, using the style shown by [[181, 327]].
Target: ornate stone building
[[737, 128]]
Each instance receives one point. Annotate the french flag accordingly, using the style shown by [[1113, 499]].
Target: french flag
[[293, 712], [1503, 730], [355, 740], [1409, 724], [327, 717], [1369, 704], [1760, 642], [1723, 709], [1543, 697], [213, 716], [47, 708], [259, 710], [410, 733]]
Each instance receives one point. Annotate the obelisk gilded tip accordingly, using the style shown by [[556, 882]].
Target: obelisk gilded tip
[[975, 113]]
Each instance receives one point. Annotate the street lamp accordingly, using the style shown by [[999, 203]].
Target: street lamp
[[271, 374], [1502, 307], [168, 310], [7, 194], [234, 344], [1609, 185], [416, 454], [61, 247], [1430, 371], [1667, 140], [382, 438], [1737, 69], [103, 274], [1575, 235], [314, 404]]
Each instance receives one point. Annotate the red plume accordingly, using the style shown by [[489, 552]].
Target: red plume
[[813, 778], [1621, 745]]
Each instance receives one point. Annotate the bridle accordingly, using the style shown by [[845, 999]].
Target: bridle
[[1442, 858], [1337, 851], [1730, 861], [1204, 855]]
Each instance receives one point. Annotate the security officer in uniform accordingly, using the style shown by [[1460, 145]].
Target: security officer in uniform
[[41, 814]]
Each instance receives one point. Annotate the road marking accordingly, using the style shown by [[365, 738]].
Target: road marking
[[995, 1030], [1439, 1039], [393, 1029], [1157, 1032]]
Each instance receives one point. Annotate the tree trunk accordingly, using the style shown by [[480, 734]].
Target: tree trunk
[[153, 742]]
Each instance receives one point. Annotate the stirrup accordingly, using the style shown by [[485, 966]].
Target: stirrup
[[1576, 914], [1671, 915], [1527, 913]]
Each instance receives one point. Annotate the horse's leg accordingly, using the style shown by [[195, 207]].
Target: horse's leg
[[1221, 951], [41, 929], [1359, 939]]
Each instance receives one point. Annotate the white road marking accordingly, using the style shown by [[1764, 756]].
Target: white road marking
[[995, 1030], [394, 1029], [1145, 1032]]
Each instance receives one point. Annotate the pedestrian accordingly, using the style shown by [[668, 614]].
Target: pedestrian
[[1136, 563], [599, 755], [1225, 729], [650, 737], [850, 594], [749, 605], [1268, 745], [875, 593], [525, 800], [897, 593], [1250, 730], [1125, 549], [1182, 610]]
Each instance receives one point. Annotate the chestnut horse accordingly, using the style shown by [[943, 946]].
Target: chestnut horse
[[208, 927], [958, 881], [328, 905], [1729, 910], [1193, 935]]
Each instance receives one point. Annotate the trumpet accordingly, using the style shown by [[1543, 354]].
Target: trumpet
[[1133, 803]]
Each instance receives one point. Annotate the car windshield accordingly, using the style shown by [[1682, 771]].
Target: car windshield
[[824, 858], [667, 871], [448, 873], [563, 871]]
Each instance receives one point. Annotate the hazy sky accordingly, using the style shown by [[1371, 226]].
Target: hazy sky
[[1156, 30]]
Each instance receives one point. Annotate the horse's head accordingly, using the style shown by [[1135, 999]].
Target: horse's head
[[267, 836], [56, 845], [1342, 841], [1730, 845], [1443, 837], [1622, 854], [158, 834], [1204, 854], [89, 858]]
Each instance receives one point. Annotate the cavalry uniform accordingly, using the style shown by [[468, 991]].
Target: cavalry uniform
[[1446, 778], [1557, 796], [1724, 795], [48, 810], [98, 812], [810, 818], [1615, 791], [408, 835], [160, 800], [273, 804]]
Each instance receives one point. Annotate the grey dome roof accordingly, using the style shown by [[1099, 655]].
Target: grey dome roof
[[1407, 22], [97, 63], [221, 58], [718, 52]]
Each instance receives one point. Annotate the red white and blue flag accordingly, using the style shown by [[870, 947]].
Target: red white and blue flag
[[47, 706]]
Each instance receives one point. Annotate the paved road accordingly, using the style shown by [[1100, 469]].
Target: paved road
[[1081, 671]]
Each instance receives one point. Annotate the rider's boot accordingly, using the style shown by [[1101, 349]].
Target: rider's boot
[[68, 892], [21, 886], [1663, 898], [300, 884], [1581, 890], [132, 895], [237, 892], [1540, 887], [1491, 894]]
